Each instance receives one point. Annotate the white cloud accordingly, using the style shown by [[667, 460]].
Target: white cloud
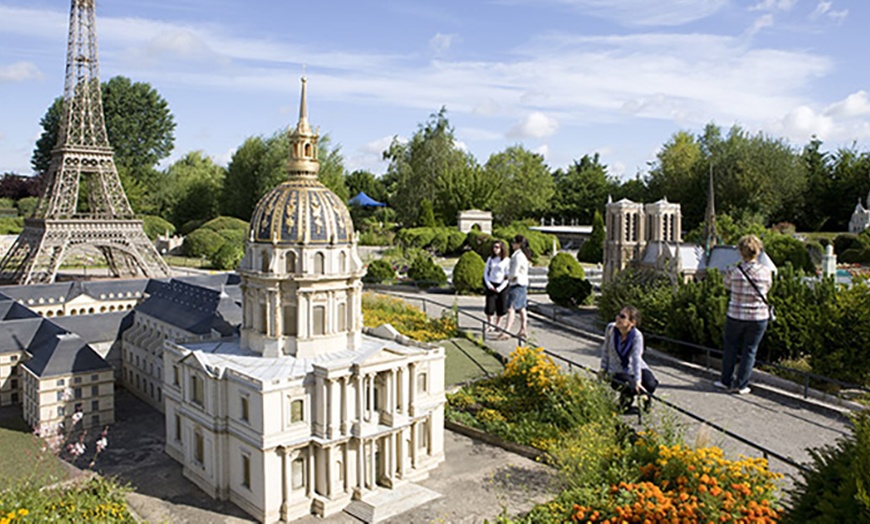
[[441, 42], [773, 5], [534, 125], [855, 105], [543, 150], [19, 72], [476, 133], [825, 8], [644, 12], [760, 23]]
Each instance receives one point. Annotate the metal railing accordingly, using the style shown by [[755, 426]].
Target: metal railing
[[570, 364]]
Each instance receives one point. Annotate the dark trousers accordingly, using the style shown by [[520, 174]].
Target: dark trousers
[[622, 382]]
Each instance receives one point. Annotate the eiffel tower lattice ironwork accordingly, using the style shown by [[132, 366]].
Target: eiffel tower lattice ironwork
[[63, 226]]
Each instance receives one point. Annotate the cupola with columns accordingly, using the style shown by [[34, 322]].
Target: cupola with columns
[[301, 274]]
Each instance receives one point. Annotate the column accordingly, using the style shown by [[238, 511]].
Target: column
[[389, 391], [359, 401], [327, 453], [271, 314], [371, 395], [327, 408], [412, 388], [309, 471], [285, 483], [343, 426]]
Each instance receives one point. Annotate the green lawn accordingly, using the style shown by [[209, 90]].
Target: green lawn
[[467, 361], [21, 455]]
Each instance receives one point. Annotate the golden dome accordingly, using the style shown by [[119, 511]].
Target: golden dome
[[301, 211]]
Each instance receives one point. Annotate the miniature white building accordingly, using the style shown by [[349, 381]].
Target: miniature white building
[[860, 217], [303, 413]]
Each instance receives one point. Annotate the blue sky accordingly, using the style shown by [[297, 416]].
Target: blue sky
[[562, 77]]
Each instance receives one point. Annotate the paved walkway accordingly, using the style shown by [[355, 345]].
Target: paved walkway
[[777, 420]]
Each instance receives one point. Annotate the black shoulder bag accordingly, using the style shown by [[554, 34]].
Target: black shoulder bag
[[770, 310]]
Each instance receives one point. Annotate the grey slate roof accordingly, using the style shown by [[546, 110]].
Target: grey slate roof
[[93, 329], [16, 335], [11, 310], [70, 290], [55, 352], [192, 307]]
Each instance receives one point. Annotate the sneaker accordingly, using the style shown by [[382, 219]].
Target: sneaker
[[745, 390], [719, 385]]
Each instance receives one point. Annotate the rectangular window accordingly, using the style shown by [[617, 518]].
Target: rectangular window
[[95, 378], [95, 391], [296, 411], [77, 380], [342, 317], [422, 384], [244, 416], [61, 411], [246, 471], [95, 405], [290, 320], [196, 390], [298, 473], [95, 421], [176, 376], [319, 320], [178, 428], [60, 382], [14, 384], [77, 393], [198, 448], [14, 358]]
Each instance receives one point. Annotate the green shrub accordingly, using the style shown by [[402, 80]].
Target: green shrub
[[698, 310], [202, 243], [379, 271], [480, 242], [426, 273], [845, 241], [468, 273], [842, 336], [651, 292], [155, 226], [441, 240], [229, 256], [593, 249], [855, 255], [427, 214], [836, 487], [566, 282], [539, 243], [236, 236], [419, 237], [191, 226], [26, 206], [222, 222], [785, 249], [11, 226]]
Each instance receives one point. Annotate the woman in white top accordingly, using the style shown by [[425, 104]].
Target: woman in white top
[[495, 281], [518, 284]]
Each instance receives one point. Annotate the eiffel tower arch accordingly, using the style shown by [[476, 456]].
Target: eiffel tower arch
[[81, 162]]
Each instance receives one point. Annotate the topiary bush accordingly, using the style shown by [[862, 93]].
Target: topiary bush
[[222, 222], [480, 242], [202, 243], [155, 226], [785, 249], [835, 487], [566, 282], [593, 249], [426, 273], [468, 273], [379, 271], [845, 241], [229, 256]]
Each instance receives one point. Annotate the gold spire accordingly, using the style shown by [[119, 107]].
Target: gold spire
[[303, 143]]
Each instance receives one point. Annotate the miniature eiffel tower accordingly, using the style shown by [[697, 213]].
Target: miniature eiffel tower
[[61, 225]]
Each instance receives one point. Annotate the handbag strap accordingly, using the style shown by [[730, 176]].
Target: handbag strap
[[755, 287]]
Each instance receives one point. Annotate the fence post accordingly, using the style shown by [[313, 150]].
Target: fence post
[[806, 386]]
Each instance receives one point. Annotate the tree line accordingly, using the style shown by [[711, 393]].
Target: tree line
[[758, 179]]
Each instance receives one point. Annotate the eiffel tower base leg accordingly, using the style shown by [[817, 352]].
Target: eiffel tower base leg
[[42, 246]]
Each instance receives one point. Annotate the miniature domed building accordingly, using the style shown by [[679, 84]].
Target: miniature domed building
[[301, 275]]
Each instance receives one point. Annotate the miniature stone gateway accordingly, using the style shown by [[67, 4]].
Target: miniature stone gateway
[[303, 413]]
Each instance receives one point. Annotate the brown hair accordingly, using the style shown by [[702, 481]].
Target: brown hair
[[633, 313], [523, 244], [503, 249], [750, 247]]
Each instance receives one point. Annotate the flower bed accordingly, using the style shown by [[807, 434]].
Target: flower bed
[[94, 500], [609, 473], [408, 320]]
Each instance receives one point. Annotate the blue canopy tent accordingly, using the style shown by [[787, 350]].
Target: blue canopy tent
[[363, 200]]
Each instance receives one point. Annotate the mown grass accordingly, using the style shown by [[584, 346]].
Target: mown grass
[[22, 458]]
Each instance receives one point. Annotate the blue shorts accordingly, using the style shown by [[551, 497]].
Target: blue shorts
[[517, 297]]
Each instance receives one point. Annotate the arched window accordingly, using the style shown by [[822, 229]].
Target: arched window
[[342, 262], [264, 262], [290, 260], [319, 264], [307, 150]]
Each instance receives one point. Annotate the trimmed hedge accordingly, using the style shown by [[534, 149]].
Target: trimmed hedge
[[426, 273], [566, 281], [379, 271], [155, 226], [202, 243], [468, 273]]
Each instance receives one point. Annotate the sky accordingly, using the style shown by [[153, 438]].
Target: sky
[[563, 78]]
